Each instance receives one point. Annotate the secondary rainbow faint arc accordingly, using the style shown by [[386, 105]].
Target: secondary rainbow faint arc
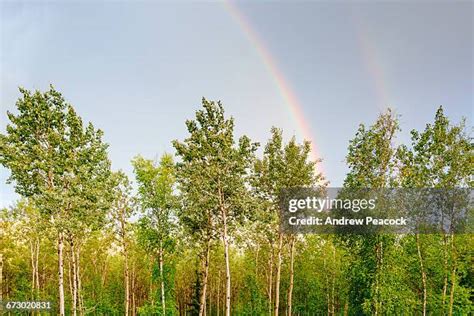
[[283, 86], [372, 62]]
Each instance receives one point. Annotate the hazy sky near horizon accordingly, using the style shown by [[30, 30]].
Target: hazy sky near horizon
[[138, 70]]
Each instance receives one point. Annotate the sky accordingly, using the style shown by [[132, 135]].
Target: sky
[[138, 70]]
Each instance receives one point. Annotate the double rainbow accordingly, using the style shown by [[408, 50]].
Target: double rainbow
[[293, 104]]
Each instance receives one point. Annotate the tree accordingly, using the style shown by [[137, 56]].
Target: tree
[[283, 167], [33, 228], [59, 163], [371, 162], [439, 157], [123, 208], [220, 168], [196, 219], [155, 189]]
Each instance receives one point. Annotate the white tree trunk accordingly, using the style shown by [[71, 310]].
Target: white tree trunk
[[423, 273], [79, 286], [61, 273], [453, 277], [445, 267], [292, 273], [163, 301], [202, 301], [270, 281], [127, 285], [33, 272], [218, 292], [278, 274], [37, 267], [451, 294], [74, 279], [133, 287], [1, 277], [227, 265]]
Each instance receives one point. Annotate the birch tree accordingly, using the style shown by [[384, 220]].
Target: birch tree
[[197, 220], [122, 210], [284, 166], [155, 188], [220, 167], [441, 156], [371, 163], [59, 163]]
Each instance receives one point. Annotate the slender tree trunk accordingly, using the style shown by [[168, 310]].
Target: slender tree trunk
[[43, 272], [423, 273], [226, 250], [34, 250], [33, 272], [453, 277], [227, 264], [79, 285], [74, 279], [1, 277], [270, 281], [445, 283], [292, 273], [333, 282], [205, 271], [326, 277], [218, 292], [151, 292], [134, 306], [451, 294], [127, 285], [61, 273], [278, 273], [69, 272], [37, 267], [162, 281], [122, 232], [379, 258]]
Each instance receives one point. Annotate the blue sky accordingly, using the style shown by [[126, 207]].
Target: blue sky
[[138, 70]]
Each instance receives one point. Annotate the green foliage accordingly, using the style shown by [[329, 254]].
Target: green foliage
[[156, 196], [213, 169], [441, 156], [371, 162], [57, 161]]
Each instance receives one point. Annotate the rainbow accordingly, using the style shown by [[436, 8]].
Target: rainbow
[[368, 53], [371, 60], [283, 86]]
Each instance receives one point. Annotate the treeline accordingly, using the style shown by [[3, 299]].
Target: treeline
[[197, 233]]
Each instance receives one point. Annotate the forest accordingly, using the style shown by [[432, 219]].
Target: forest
[[197, 231]]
